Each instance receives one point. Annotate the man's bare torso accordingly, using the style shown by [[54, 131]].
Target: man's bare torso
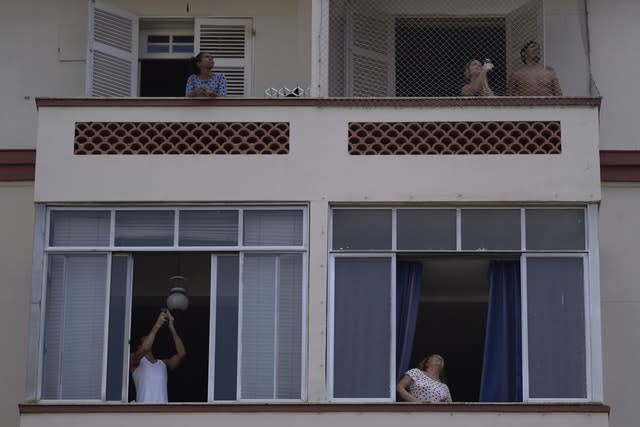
[[535, 81]]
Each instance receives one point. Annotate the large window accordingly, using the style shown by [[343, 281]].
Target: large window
[[503, 293], [107, 276]]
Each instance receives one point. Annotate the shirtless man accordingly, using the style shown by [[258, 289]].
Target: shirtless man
[[533, 79], [150, 374]]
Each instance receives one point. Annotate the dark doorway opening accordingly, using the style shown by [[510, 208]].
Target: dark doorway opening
[[431, 53], [452, 319], [188, 382], [164, 77]]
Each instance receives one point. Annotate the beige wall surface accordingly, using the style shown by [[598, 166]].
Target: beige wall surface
[[619, 249], [340, 419], [43, 46], [615, 58], [318, 166], [16, 231]]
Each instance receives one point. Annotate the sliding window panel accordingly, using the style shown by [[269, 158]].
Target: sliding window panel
[[555, 229], [556, 328], [226, 329], [144, 228], [208, 228], [271, 344], [79, 228], [74, 327], [362, 328], [490, 229], [259, 309], [118, 316], [273, 227], [289, 328], [361, 229]]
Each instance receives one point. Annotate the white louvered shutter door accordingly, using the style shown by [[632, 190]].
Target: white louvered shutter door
[[112, 58], [370, 55], [229, 41]]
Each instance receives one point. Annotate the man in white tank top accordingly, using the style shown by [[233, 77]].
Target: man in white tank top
[[150, 374]]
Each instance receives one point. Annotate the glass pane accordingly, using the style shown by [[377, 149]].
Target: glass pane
[[183, 48], [158, 39], [426, 229], [362, 328], [183, 39], [556, 322], [273, 228], [258, 326], [208, 228], [289, 352], [74, 327], [144, 228], [158, 48], [361, 229], [117, 326], [490, 229], [226, 340], [555, 229], [79, 228]]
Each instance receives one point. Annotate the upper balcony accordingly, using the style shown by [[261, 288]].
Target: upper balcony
[[380, 78], [340, 48]]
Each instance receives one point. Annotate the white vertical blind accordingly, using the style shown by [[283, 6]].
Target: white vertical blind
[[258, 333], [74, 327], [79, 228], [273, 227], [289, 328], [112, 59]]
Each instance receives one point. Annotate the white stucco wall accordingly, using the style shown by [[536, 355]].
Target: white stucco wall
[[318, 166], [615, 57], [43, 46], [619, 249], [16, 231]]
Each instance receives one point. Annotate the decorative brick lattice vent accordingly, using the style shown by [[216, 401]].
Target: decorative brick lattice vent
[[433, 138], [96, 138]]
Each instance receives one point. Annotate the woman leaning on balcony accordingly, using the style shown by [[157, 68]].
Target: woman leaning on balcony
[[476, 74], [206, 82], [425, 384]]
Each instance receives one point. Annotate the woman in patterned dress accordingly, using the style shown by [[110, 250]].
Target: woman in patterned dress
[[206, 82], [424, 384]]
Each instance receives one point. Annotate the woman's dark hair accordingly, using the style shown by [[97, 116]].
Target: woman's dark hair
[[193, 65]]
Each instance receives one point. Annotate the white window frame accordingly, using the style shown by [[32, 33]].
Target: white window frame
[[165, 31], [42, 249], [591, 286]]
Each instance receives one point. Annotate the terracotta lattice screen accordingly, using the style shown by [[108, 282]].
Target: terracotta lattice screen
[[142, 138], [442, 138]]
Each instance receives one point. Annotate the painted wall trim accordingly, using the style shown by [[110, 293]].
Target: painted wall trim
[[620, 166], [319, 102], [17, 165], [318, 408]]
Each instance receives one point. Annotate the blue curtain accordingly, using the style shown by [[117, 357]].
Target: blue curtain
[[502, 364], [408, 285]]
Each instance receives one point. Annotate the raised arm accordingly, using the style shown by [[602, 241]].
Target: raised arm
[[402, 387], [475, 85], [147, 342], [174, 361]]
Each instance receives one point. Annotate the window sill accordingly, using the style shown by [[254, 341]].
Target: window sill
[[91, 408]]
